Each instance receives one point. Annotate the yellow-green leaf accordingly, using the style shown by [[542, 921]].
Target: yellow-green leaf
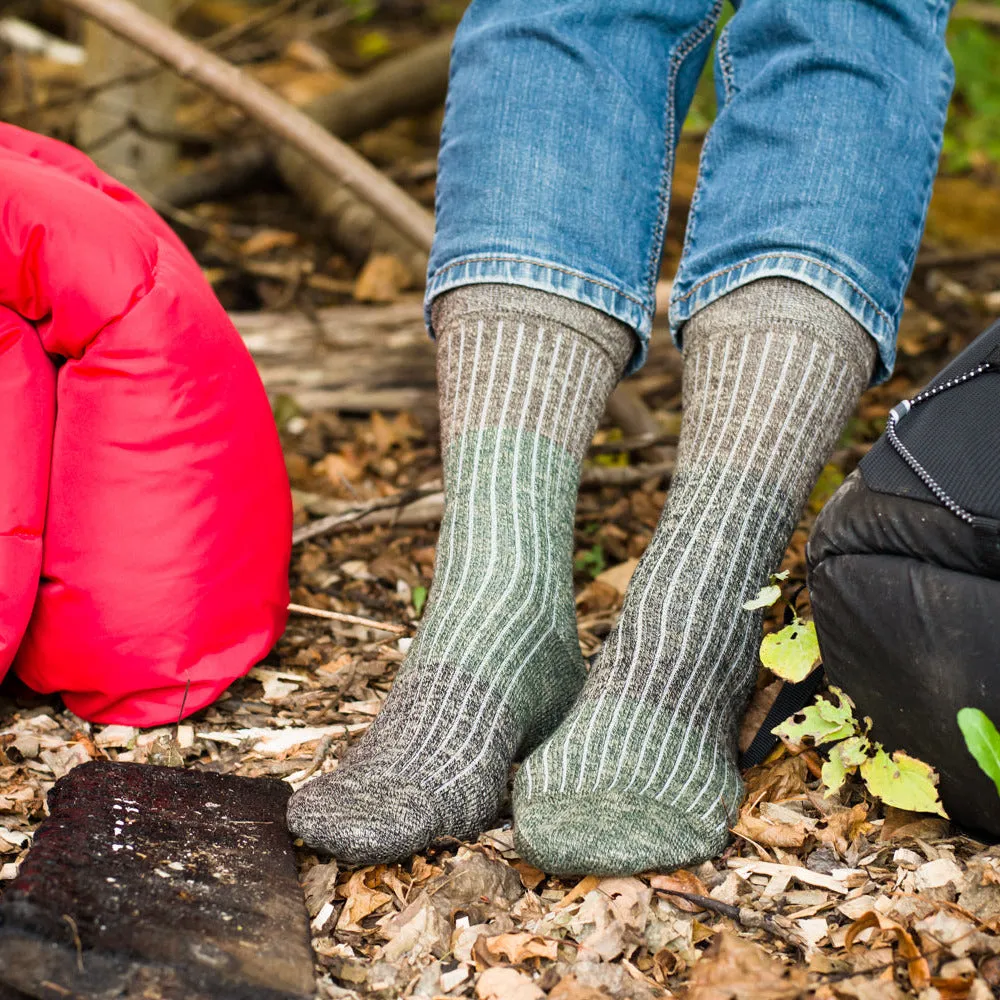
[[843, 760], [821, 722], [902, 781], [791, 653], [826, 485]]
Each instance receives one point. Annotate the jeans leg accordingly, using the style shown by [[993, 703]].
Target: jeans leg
[[558, 143], [820, 163]]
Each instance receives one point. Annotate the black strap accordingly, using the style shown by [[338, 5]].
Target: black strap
[[792, 698]]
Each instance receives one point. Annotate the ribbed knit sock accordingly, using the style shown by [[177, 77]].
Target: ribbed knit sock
[[523, 379], [642, 773]]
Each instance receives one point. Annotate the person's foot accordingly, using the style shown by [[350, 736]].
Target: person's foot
[[524, 377], [642, 773]]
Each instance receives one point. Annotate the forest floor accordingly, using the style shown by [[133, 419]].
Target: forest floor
[[827, 897]]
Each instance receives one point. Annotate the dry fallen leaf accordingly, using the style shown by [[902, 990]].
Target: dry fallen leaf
[[769, 833], [569, 988], [362, 901], [267, 239], [734, 969], [618, 576], [681, 881], [916, 965], [319, 885], [520, 946], [506, 984], [382, 278]]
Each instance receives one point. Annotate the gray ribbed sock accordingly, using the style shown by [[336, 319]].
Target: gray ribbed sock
[[523, 379], [642, 773]]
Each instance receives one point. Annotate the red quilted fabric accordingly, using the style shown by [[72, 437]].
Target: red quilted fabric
[[145, 515]]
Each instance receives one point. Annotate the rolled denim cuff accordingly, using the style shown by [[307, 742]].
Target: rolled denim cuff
[[547, 276], [692, 297]]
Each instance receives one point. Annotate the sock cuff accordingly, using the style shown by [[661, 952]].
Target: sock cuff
[[504, 366], [784, 303], [614, 338]]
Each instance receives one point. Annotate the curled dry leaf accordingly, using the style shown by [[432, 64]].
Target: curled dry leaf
[[361, 900], [916, 965], [681, 881], [768, 832], [520, 947]]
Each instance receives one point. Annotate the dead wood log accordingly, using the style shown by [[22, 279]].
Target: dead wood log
[[410, 84], [261, 103], [352, 358]]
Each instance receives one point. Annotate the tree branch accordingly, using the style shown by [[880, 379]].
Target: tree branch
[[259, 102]]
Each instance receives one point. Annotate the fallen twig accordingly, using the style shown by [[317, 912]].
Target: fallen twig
[[361, 515], [338, 616], [259, 102], [743, 915], [407, 510]]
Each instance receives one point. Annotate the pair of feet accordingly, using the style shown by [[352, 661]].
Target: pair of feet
[[600, 794], [632, 766]]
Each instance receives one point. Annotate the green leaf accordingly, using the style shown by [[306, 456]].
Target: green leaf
[[592, 561], [791, 653], [844, 760], [822, 722], [419, 597], [768, 595], [902, 781], [983, 741]]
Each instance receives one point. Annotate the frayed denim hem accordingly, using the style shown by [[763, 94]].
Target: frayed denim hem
[[509, 269], [809, 270]]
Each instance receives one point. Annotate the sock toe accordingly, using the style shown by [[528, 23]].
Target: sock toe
[[363, 820], [609, 834]]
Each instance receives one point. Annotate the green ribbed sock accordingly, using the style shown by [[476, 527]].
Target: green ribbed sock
[[642, 773], [523, 379]]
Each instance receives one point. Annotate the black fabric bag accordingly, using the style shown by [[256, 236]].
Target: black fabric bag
[[904, 574]]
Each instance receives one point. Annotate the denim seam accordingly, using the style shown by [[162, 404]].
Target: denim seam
[[725, 59], [534, 262], [685, 47], [853, 285]]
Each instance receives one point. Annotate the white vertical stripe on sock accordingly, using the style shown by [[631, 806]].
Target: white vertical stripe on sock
[[487, 576], [644, 615], [593, 711], [707, 572]]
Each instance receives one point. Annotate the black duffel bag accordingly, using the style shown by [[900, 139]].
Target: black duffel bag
[[904, 574]]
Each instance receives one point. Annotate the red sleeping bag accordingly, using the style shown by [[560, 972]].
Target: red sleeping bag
[[145, 515]]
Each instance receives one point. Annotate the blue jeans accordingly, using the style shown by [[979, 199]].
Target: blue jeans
[[563, 116]]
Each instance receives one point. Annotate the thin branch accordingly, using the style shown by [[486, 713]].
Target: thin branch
[[743, 915], [338, 616], [194, 62]]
